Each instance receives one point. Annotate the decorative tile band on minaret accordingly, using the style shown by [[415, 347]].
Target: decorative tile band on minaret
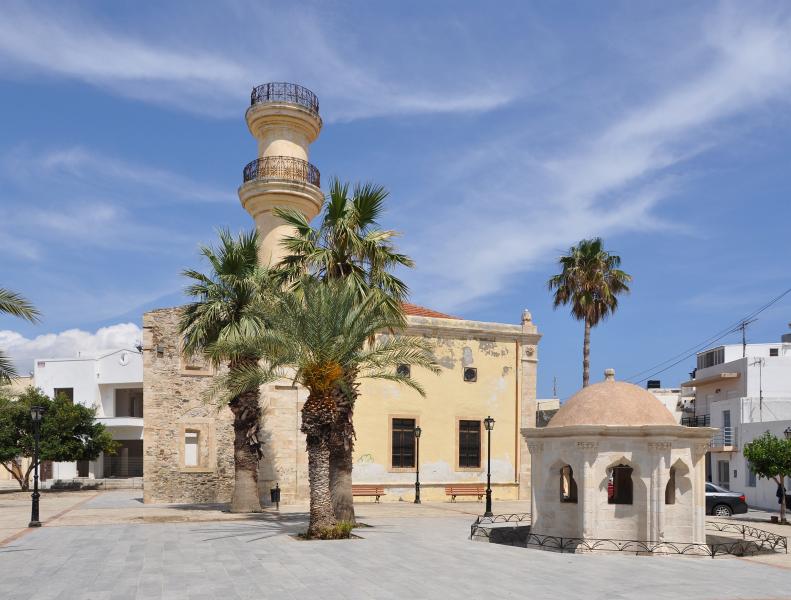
[[284, 119]]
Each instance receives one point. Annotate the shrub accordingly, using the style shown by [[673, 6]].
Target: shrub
[[340, 531]]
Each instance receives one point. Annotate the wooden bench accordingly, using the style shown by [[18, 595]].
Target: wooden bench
[[368, 490], [465, 489]]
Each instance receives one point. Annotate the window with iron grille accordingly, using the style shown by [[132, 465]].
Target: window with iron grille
[[469, 444], [403, 450]]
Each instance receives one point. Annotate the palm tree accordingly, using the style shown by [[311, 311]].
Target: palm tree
[[223, 311], [316, 336], [12, 303], [590, 281], [348, 244]]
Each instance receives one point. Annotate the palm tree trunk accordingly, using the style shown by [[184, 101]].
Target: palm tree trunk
[[341, 449], [341, 466], [246, 452], [586, 355], [321, 514]]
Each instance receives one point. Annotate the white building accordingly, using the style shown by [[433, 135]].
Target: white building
[[742, 391], [679, 401], [112, 383]]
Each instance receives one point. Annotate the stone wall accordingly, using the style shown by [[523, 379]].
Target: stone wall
[[173, 403], [505, 355]]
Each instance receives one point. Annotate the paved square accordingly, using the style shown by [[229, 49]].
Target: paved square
[[410, 552]]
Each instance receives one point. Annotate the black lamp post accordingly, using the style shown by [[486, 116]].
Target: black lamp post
[[787, 433], [36, 414], [418, 431], [488, 422]]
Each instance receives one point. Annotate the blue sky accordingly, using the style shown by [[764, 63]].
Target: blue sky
[[504, 133]]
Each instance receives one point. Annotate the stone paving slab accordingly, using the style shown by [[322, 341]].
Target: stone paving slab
[[410, 552], [15, 509]]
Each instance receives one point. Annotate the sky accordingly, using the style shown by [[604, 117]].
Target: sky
[[505, 132]]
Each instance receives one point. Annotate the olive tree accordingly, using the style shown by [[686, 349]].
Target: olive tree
[[68, 433]]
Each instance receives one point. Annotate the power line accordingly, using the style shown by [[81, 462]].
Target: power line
[[689, 352]]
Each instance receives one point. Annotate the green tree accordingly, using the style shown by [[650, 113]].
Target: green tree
[[222, 313], [12, 303], [590, 281], [315, 337], [69, 433], [770, 457], [347, 244]]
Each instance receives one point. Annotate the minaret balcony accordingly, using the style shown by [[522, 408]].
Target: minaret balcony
[[279, 92], [286, 168]]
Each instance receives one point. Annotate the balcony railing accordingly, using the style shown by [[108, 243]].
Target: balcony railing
[[698, 421], [282, 167], [285, 92], [725, 438]]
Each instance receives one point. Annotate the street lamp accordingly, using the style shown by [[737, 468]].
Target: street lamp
[[36, 414], [488, 422], [418, 431], [787, 433]]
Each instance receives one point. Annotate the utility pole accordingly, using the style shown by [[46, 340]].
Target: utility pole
[[743, 326], [760, 363], [554, 387]]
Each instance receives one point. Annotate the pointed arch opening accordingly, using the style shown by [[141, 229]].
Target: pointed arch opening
[[620, 489], [678, 482], [568, 486]]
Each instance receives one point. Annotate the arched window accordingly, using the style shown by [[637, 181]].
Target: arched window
[[568, 487], [619, 485], [670, 488]]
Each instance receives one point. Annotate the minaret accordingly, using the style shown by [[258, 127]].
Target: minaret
[[284, 118]]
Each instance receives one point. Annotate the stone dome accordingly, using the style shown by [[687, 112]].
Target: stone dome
[[612, 403]]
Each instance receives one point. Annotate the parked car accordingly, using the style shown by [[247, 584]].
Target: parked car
[[724, 503]]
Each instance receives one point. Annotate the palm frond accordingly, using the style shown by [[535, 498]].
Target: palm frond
[[16, 305]]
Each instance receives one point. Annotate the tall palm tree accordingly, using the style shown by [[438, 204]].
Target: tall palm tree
[[348, 244], [590, 281], [223, 311], [316, 336], [13, 304]]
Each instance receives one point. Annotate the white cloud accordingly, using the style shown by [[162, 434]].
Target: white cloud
[[66, 344], [84, 164], [209, 67], [606, 180]]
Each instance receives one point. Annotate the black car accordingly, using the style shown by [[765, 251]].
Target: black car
[[724, 503]]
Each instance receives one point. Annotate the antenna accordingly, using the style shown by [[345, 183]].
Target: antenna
[[743, 326]]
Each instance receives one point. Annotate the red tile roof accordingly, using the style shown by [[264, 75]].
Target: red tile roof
[[421, 311]]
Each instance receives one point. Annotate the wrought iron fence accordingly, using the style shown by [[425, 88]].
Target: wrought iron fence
[[753, 540], [698, 421], [281, 91], [282, 167]]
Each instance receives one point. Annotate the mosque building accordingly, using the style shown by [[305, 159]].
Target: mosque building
[[487, 369]]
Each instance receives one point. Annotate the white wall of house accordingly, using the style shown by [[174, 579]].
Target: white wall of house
[[672, 399], [763, 493], [743, 397], [95, 380]]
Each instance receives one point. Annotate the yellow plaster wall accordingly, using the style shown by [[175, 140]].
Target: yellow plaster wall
[[448, 399]]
